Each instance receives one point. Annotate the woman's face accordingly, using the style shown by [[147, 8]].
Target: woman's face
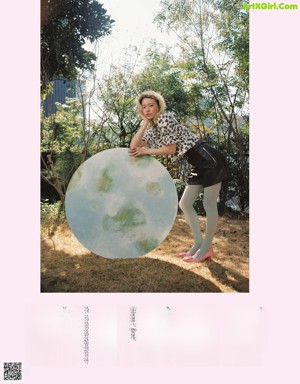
[[149, 108]]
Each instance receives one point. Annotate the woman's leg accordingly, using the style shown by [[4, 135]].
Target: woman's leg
[[187, 200], [210, 200]]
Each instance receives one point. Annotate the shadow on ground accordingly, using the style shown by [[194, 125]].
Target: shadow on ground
[[228, 277], [62, 272]]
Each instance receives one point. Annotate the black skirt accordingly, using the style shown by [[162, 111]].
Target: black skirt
[[209, 166]]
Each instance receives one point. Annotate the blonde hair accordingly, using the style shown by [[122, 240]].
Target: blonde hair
[[155, 96]]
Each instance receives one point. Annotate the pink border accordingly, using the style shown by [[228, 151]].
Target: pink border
[[274, 258]]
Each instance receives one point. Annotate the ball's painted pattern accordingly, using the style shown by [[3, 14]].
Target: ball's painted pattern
[[119, 206]]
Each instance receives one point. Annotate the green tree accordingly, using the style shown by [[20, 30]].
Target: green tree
[[214, 45], [232, 23], [67, 26], [116, 94], [116, 101], [161, 74], [62, 145]]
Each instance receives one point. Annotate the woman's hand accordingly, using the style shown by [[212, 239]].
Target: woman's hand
[[163, 151], [138, 151], [145, 121]]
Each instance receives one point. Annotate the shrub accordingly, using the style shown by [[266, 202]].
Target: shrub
[[52, 215]]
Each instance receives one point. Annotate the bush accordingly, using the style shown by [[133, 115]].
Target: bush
[[52, 215]]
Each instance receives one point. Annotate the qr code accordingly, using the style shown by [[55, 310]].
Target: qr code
[[12, 371]]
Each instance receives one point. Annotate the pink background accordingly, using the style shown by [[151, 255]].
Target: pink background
[[269, 312]]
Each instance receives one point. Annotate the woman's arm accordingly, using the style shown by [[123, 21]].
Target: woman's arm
[[163, 151], [138, 147], [137, 138]]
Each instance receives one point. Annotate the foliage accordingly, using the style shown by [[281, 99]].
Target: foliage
[[233, 24], [52, 215], [117, 91], [63, 35], [62, 144], [116, 105], [214, 39], [62, 132], [206, 87], [161, 74]]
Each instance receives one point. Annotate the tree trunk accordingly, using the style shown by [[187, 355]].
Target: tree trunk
[[55, 180]]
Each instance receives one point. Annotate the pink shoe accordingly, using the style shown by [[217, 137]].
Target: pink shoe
[[185, 254], [190, 259]]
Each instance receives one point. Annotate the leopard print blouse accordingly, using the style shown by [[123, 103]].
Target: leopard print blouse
[[168, 131]]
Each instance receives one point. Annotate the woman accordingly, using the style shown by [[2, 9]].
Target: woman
[[209, 168]]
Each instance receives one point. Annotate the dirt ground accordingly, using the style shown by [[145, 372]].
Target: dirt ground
[[67, 266]]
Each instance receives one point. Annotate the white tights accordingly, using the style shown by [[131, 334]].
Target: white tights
[[210, 199]]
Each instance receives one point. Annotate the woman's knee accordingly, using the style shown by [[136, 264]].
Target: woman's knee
[[181, 204], [185, 205], [210, 201], [189, 196]]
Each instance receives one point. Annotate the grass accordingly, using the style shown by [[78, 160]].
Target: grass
[[67, 266]]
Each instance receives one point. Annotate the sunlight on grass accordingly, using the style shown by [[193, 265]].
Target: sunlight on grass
[[67, 266]]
